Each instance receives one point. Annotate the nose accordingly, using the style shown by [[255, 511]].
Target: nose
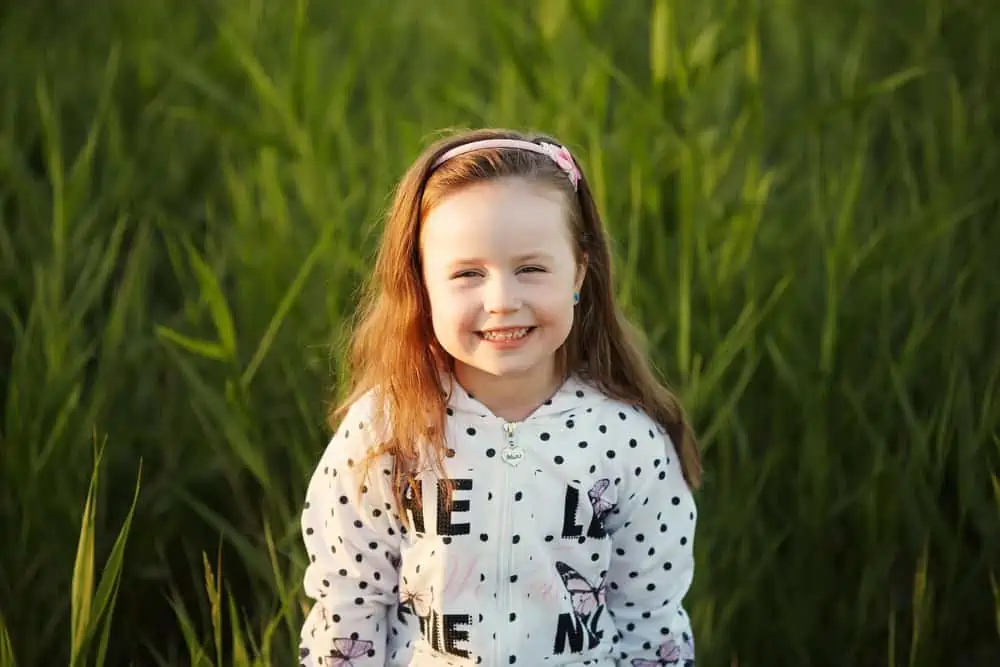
[[501, 296]]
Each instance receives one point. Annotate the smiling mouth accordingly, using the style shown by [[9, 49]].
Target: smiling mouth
[[506, 334]]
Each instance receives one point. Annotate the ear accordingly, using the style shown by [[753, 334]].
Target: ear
[[581, 272]]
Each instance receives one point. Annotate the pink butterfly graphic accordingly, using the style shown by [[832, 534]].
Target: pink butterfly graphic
[[586, 599], [346, 650], [419, 602], [670, 653], [600, 504]]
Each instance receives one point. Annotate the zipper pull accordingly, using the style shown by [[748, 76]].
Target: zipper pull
[[511, 454]]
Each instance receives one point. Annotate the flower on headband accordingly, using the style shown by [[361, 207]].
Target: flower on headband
[[564, 159]]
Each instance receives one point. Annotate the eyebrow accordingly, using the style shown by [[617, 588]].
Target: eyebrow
[[520, 259]]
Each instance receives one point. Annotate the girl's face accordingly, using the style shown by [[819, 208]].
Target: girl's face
[[500, 272]]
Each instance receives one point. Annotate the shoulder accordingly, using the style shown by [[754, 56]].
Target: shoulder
[[359, 433], [635, 431], [623, 416]]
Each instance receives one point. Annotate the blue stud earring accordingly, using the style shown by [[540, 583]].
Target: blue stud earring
[[576, 297]]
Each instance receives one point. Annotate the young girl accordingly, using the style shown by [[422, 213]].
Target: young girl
[[508, 483]]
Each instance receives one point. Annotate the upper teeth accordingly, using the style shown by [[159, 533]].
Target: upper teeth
[[509, 334]]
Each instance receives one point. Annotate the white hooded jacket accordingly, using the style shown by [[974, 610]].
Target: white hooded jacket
[[568, 541]]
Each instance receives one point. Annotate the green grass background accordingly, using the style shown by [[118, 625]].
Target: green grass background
[[805, 198]]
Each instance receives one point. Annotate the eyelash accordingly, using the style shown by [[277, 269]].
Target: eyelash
[[473, 274]]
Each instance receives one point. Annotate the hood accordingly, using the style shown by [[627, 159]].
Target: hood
[[573, 395]]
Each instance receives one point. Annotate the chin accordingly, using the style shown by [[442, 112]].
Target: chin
[[508, 368]]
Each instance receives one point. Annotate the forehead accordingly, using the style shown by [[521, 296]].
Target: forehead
[[495, 219]]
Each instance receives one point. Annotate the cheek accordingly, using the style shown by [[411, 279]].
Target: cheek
[[451, 309], [556, 309]]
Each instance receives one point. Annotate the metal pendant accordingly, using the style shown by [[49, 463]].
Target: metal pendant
[[512, 455]]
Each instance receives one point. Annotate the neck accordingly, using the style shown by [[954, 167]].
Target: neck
[[512, 398]]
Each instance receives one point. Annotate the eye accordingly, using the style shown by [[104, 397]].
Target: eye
[[533, 269], [465, 274]]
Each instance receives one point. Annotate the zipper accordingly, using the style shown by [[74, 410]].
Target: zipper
[[503, 579]]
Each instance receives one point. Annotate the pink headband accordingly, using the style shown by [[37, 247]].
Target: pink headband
[[559, 154]]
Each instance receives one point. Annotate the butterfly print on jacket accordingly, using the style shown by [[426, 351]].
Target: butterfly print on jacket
[[588, 601]]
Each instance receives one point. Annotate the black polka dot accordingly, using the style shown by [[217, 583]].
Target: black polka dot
[[675, 501], [483, 537], [470, 430], [621, 415], [518, 495], [611, 453], [569, 423], [491, 452], [668, 566], [544, 437], [583, 444], [516, 539], [558, 460], [602, 428]]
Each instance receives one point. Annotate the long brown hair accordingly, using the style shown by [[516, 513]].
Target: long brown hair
[[395, 355]]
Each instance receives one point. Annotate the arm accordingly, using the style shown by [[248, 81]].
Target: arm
[[652, 566], [352, 541]]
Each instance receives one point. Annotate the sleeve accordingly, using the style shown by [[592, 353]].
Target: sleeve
[[652, 564], [352, 538]]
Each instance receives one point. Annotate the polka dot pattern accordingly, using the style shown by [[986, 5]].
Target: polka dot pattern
[[584, 542]]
